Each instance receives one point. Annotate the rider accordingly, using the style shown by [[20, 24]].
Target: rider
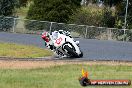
[[49, 39], [49, 42]]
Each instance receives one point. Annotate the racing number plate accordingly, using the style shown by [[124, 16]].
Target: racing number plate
[[58, 41]]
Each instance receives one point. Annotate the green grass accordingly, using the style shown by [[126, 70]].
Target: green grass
[[65, 76], [22, 51]]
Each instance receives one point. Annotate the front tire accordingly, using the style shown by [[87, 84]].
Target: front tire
[[81, 55], [71, 51]]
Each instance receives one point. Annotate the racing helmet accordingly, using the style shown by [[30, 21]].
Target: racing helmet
[[45, 36]]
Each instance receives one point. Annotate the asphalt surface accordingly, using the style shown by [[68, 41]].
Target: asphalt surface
[[92, 49]]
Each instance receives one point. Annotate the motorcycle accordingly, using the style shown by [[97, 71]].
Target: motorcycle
[[65, 45]]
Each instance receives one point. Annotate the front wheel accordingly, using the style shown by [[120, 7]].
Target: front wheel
[[71, 51], [81, 55]]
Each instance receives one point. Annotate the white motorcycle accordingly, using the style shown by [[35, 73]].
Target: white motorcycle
[[65, 45]]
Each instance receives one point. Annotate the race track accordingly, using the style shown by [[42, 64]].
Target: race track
[[93, 49]]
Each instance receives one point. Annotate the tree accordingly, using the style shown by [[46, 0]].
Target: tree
[[53, 10], [89, 15], [129, 17], [111, 2], [108, 19], [7, 7], [23, 3], [120, 12]]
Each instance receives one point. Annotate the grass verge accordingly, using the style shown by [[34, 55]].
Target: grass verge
[[22, 51], [62, 76]]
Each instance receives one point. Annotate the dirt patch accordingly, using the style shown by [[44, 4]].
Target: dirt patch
[[42, 64], [26, 64]]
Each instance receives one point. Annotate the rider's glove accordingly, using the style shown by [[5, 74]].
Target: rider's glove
[[50, 47]]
